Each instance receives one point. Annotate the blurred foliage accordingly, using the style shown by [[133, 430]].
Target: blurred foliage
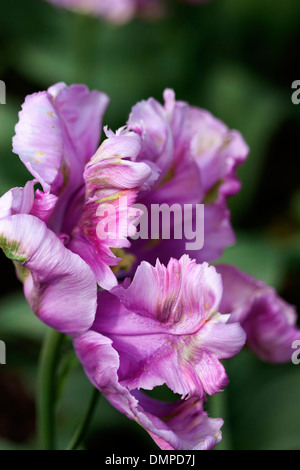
[[235, 58]]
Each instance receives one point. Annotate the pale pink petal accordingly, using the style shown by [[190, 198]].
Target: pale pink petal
[[222, 338], [17, 200], [269, 321], [108, 217], [182, 425], [58, 284], [179, 296], [81, 111], [150, 120], [43, 205], [39, 138]]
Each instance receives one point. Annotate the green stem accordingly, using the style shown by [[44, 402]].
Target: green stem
[[80, 433], [218, 408], [47, 388]]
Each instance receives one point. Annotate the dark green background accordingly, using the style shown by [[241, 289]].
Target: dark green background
[[236, 58]]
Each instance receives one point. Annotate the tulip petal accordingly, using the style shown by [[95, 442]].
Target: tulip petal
[[81, 112], [108, 218], [150, 120], [269, 331], [166, 330], [269, 321], [17, 201], [57, 133], [179, 296], [187, 420], [41, 155], [222, 338], [182, 425], [115, 11], [58, 284], [43, 205]]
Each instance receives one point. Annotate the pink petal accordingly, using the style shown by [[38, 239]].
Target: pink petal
[[59, 286], [17, 200], [150, 120], [166, 330], [57, 133], [81, 112], [43, 205], [116, 11], [112, 183], [269, 321], [39, 138], [222, 338], [179, 296], [182, 425]]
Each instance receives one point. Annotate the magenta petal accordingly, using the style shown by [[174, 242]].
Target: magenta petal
[[57, 133], [166, 330], [107, 218], [58, 284], [115, 11], [216, 150], [240, 289], [43, 205], [150, 120], [187, 420], [182, 425], [198, 156], [218, 233], [179, 296], [17, 200], [109, 167], [116, 320], [99, 260], [221, 337], [81, 112], [270, 333], [101, 362], [24, 201], [212, 373], [185, 364], [269, 321], [39, 139], [152, 360]]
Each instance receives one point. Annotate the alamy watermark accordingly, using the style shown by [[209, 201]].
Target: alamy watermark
[[2, 92], [296, 94], [296, 354], [157, 222], [2, 352]]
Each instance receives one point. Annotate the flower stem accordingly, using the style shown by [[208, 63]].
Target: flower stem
[[219, 409], [47, 388], [80, 433]]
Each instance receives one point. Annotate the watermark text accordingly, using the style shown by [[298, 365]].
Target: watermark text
[[296, 354], [157, 222], [2, 352], [296, 93], [2, 92]]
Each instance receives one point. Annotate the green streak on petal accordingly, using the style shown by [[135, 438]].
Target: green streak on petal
[[22, 271], [113, 197], [213, 193], [11, 250], [127, 260], [169, 176]]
